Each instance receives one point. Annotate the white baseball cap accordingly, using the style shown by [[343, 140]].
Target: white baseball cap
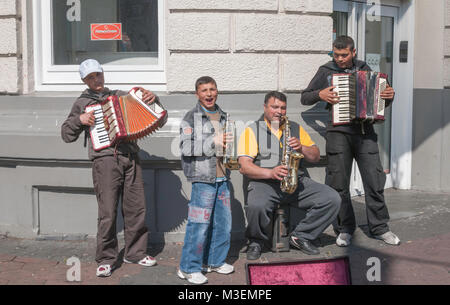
[[88, 66]]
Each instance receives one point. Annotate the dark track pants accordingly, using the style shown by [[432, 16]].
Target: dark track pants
[[341, 149], [320, 202], [116, 177]]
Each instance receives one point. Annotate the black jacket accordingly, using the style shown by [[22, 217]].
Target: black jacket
[[321, 80]]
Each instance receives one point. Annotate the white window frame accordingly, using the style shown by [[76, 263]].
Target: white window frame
[[49, 77]]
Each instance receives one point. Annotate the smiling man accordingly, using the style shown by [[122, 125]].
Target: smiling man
[[356, 140], [207, 96], [208, 231]]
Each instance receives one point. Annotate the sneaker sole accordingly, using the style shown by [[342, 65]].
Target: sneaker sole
[[183, 277], [342, 243], [103, 274], [145, 265], [209, 270], [392, 244], [229, 272]]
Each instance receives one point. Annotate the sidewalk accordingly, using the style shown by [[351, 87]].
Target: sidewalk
[[420, 219]]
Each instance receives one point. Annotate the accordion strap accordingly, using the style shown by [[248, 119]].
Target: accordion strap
[[97, 98]]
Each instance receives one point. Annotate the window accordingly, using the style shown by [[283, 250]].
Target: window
[[125, 36]]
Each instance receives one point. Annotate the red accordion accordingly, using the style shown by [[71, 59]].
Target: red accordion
[[359, 94], [125, 118]]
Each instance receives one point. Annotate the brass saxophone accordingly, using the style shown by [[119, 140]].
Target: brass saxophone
[[291, 159], [230, 159]]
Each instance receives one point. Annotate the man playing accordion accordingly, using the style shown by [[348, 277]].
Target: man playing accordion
[[116, 172], [355, 140]]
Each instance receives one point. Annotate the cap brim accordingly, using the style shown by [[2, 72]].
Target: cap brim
[[86, 73]]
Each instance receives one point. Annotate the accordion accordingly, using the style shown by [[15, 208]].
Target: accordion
[[359, 94], [124, 118]]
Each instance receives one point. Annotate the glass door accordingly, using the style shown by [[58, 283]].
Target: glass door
[[372, 26]]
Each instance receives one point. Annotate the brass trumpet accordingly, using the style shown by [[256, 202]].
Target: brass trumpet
[[230, 159]]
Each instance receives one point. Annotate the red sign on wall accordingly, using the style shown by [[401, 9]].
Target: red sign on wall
[[106, 31]]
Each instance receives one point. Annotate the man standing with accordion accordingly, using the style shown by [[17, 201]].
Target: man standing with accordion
[[353, 140], [116, 172]]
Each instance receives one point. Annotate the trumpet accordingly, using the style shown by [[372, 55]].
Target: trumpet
[[230, 159], [291, 159]]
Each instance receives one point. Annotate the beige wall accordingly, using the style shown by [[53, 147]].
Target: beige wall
[[247, 46], [429, 44], [432, 49], [16, 47], [447, 44], [431, 124], [9, 61]]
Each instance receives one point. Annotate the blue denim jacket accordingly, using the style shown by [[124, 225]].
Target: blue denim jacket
[[198, 155]]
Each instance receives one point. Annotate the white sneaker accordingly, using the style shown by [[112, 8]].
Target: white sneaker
[[389, 238], [104, 271], [343, 240], [147, 261], [224, 269], [194, 278]]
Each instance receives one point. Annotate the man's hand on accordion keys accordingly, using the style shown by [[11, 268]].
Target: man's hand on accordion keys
[[388, 94], [329, 96], [88, 118]]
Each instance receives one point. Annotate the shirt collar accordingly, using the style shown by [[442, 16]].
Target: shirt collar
[[277, 133]]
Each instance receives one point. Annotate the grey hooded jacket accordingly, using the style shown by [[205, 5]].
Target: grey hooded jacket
[[198, 151]]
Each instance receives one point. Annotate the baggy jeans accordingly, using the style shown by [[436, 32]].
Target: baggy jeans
[[208, 232]]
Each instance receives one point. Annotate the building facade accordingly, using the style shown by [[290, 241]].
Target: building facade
[[249, 47]]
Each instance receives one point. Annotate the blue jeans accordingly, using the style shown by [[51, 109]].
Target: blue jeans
[[208, 230]]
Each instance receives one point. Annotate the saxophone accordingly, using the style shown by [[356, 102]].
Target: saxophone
[[291, 159], [230, 159]]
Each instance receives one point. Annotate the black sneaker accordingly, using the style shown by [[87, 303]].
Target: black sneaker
[[253, 252], [303, 245]]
